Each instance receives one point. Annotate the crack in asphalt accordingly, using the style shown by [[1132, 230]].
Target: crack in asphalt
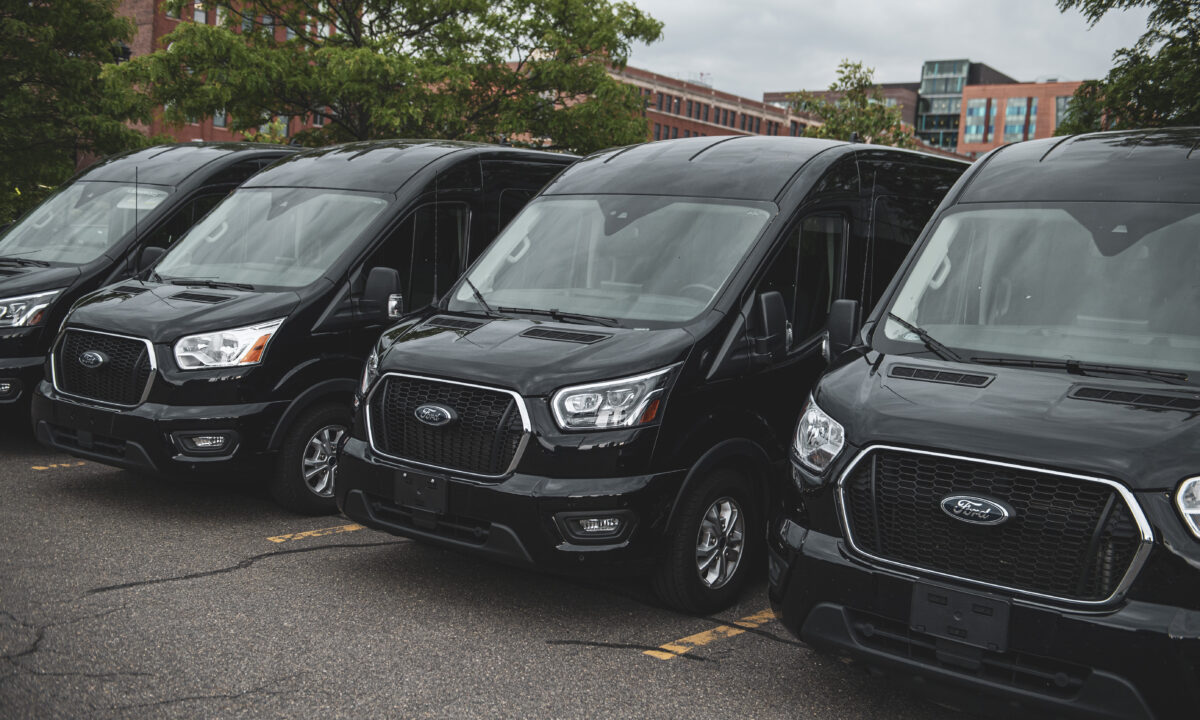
[[39, 636], [261, 689], [241, 565], [624, 646]]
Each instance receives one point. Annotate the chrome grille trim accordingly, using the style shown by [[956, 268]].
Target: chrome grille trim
[[1139, 559]]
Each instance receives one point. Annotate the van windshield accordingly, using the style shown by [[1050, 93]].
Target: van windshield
[[274, 237], [1106, 283], [626, 257], [80, 222]]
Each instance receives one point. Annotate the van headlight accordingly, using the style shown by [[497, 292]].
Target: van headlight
[[370, 372], [1187, 499], [819, 438], [225, 348], [26, 310], [627, 402]]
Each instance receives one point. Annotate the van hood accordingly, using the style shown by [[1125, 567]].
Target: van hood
[[529, 356], [18, 280], [1145, 434], [164, 313]]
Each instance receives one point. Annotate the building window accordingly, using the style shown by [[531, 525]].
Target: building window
[[706, 109], [172, 13], [247, 23], [758, 125], [290, 34], [200, 14], [1031, 125], [1014, 119], [689, 108], [678, 105], [1061, 103], [657, 131], [318, 119], [975, 131], [660, 101], [674, 132], [220, 119], [687, 133]]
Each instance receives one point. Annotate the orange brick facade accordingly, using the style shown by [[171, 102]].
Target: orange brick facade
[[994, 115]]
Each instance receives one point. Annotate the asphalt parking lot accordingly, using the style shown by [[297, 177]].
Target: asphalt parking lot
[[126, 597]]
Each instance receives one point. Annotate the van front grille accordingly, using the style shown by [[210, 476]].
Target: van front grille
[[122, 376]]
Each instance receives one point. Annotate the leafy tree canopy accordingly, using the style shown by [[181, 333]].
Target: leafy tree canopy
[[452, 69], [1155, 83], [56, 104], [855, 105]]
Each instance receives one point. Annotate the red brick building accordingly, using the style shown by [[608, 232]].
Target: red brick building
[[994, 115], [900, 95]]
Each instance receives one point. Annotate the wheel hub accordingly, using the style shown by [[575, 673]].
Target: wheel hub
[[319, 464], [720, 542]]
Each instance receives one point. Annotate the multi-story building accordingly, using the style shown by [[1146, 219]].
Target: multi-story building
[[901, 95], [680, 108], [939, 109], [993, 115]]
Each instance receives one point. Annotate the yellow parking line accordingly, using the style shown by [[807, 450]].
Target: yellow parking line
[[322, 532], [55, 466], [674, 649]]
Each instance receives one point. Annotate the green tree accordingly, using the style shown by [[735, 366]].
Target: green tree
[[1155, 83], [56, 103], [453, 69], [854, 105]]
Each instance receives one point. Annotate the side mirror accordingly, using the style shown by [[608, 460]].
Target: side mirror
[[843, 326], [381, 298], [772, 344], [148, 257]]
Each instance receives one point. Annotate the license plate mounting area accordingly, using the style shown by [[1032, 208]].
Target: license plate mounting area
[[421, 492], [974, 619]]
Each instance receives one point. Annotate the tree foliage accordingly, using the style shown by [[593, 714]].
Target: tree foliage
[[1155, 83], [453, 69], [854, 106], [56, 103]]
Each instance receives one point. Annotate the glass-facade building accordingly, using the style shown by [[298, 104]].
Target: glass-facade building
[[940, 108]]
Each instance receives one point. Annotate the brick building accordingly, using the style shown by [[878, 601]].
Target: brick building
[[901, 95], [680, 108], [994, 115]]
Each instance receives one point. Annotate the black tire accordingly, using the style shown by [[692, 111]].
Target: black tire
[[677, 579], [288, 485]]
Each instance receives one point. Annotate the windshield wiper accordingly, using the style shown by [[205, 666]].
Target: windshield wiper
[[1076, 367], [930, 341], [487, 309], [565, 316], [208, 282], [24, 261]]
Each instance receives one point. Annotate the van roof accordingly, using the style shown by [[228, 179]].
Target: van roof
[[172, 164], [1134, 165], [741, 167], [379, 165]]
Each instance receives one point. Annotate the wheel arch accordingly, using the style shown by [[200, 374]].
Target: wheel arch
[[337, 390], [743, 454]]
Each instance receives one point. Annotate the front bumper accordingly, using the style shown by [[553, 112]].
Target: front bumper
[[517, 520], [1140, 660], [18, 378], [148, 438]]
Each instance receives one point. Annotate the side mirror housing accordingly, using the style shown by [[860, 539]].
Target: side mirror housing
[[771, 345], [147, 257], [382, 294], [843, 326]]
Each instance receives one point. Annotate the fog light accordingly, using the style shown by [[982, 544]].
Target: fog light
[[205, 443], [585, 526], [599, 526], [6, 389]]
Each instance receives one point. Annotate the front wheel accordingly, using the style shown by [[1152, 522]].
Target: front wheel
[[712, 546], [307, 466]]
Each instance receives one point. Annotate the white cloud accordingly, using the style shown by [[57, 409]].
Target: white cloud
[[787, 45]]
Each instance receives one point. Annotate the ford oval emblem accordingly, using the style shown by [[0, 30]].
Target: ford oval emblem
[[93, 359], [435, 415], [976, 510]]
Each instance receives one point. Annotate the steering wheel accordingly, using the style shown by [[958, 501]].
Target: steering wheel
[[708, 290]]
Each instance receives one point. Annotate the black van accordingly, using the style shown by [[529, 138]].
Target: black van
[[995, 489], [117, 216], [246, 340], [609, 386]]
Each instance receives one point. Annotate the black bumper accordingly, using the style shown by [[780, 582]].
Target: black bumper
[[20, 376], [516, 520], [146, 438], [1140, 660]]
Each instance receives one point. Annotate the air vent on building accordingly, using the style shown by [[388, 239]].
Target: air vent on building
[[199, 297], [564, 335], [940, 376], [454, 323], [1160, 401]]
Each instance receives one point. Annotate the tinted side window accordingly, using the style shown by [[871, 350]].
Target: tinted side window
[[240, 172], [182, 220], [427, 248], [898, 222], [806, 271]]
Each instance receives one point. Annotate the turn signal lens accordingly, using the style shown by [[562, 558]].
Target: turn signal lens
[[1188, 502], [627, 402]]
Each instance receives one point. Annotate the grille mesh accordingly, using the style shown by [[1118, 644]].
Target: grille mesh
[[1068, 537], [120, 381], [482, 441]]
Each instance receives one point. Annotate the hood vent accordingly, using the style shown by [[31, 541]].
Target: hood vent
[[946, 377], [454, 323], [1157, 401], [564, 335], [9, 272], [130, 290], [199, 297]]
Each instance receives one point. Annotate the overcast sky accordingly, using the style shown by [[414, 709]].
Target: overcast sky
[[767, 45]]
